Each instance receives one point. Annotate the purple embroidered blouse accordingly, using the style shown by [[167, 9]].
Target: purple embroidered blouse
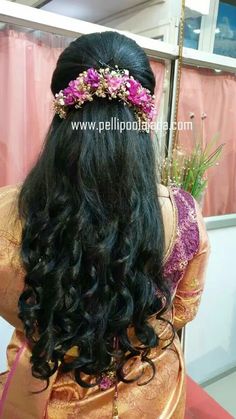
[[187, 239]]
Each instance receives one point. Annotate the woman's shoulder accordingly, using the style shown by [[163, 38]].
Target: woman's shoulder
[[163, 191], [9, 223], [183, 200], [8, 197], [189, 229], [8, 191]]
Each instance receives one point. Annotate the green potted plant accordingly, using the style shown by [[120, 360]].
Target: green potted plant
[[188, 169]]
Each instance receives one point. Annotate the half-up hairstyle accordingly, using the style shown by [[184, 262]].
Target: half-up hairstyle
[[93, 238]]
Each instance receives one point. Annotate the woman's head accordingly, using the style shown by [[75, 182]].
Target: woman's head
[[92, 242], [101, 50]]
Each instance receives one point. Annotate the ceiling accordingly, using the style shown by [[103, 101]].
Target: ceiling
[[88, 10], [34, 3]]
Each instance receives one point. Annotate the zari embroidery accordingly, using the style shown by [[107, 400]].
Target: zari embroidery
[[187, 237]]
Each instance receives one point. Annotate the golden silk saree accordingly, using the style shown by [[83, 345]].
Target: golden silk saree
[[163, 397]]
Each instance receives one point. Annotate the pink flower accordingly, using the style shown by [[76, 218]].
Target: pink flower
[[70, 92], [105, 82], [92, 78], [114, 83], [152, 113], [69, 98], [105, 383], [143, 97], [133, 87], [138, 95], [74, 92]]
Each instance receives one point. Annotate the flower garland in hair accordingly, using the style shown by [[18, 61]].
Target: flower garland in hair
[[107, 83]]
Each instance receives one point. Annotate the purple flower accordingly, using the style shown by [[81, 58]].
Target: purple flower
[[143, 97], [111, 83], [69, 98], [74, 92], [138, 95], [152, 113], [105, 383], [92, 77], [133, 87]]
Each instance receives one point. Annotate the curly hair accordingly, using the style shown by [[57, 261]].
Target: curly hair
[[93, 237]]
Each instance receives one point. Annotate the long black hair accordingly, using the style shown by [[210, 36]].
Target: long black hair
[[93, 238]]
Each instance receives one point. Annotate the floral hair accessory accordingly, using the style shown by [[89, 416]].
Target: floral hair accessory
[[108, 83]]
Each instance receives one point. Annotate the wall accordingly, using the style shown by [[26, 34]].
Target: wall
[[211, 338], [6, 331], [150, 21]]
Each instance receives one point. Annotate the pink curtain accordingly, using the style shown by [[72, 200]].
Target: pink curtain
[[158, 69], [28, 59], [212, 93]]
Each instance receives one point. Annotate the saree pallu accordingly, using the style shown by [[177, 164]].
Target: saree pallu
[[164, 396]]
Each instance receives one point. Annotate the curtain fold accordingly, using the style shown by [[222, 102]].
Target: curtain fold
[[205, 91], [27, 61]]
